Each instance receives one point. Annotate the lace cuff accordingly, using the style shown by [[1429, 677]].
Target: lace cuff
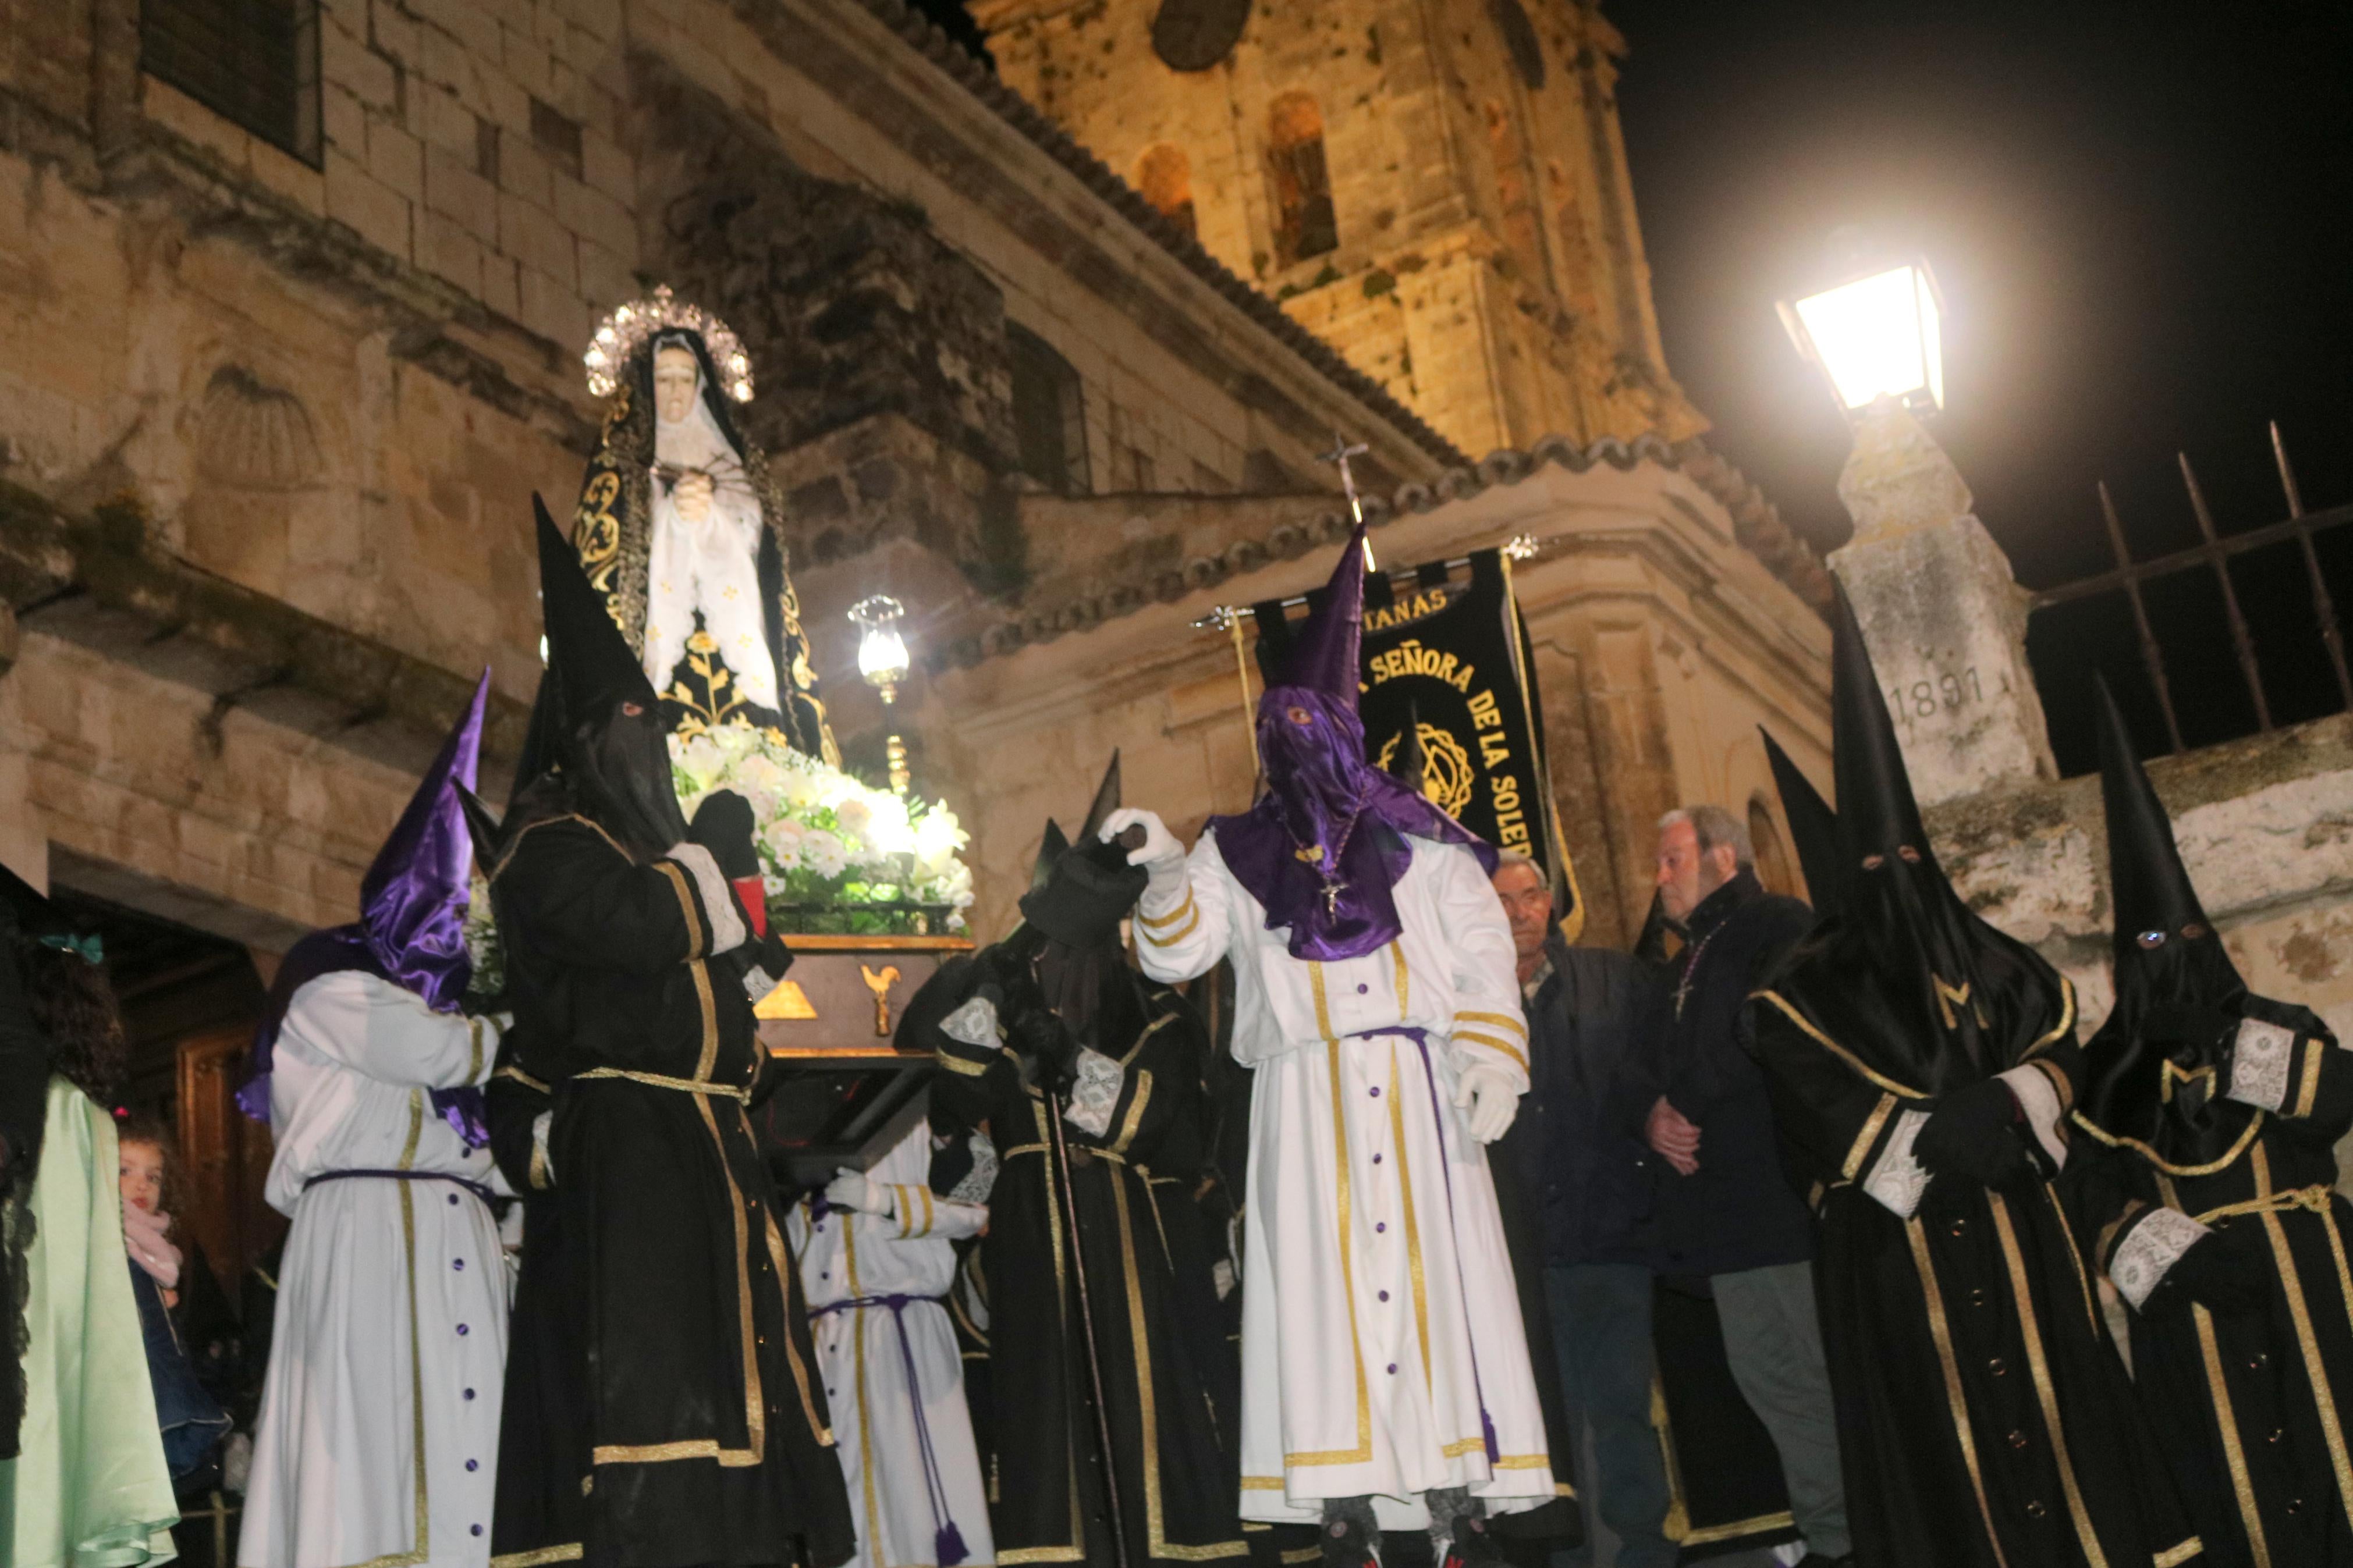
[[2045, 1115], [1896, 1179], [1095, 1095], [2260, 1059], [981, 1179], [728, 931], [974, 1025], [2154, 1245]]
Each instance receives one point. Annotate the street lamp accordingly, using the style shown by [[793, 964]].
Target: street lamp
[[1875, 336], [882, 660]]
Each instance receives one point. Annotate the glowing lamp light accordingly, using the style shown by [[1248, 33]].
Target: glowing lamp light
[[881, 651], [1875, 337]]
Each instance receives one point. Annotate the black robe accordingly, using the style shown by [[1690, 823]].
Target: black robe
[[2251, 1408], [1143, 1247], [703, 1436], [1984, 1417]]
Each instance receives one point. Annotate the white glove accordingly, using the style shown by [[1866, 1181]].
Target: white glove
[[1485, 1091], [1161, 855], [855, 1190]]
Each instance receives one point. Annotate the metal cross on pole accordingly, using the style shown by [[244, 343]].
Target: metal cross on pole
[[1342, 450]]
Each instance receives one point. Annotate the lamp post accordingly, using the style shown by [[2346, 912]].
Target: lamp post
[[882, 660], [1934, 593], [1879, 336]]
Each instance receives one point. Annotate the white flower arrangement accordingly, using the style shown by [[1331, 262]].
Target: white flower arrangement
[[839, 854]]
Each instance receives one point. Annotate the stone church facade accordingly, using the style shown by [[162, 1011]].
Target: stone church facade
[[288, 335]]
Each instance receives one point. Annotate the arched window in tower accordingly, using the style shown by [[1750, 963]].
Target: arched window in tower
[[1163, 176], [1304, 223]]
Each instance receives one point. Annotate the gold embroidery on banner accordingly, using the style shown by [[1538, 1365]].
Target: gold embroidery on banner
[[1136, 1105], [1147, 1406], [1867, 1137], [1956, 1398], [2235, 1454], [2323, 1400], [1364, 1448], [696, 935], [2230, 1157], [2040, 1368], [1412, 1230], [1848, 1057]]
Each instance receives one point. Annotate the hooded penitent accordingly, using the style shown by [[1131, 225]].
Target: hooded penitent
[[1902, 972], [606, 729], [1323, 847], [411, 929], [1813, 827], [2167, 955], [1074, 905]]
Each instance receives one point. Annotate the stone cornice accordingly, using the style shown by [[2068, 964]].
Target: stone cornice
[[1757, 528], [95, 582]]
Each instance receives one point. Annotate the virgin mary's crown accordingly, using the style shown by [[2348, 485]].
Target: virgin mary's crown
[[620, 335]]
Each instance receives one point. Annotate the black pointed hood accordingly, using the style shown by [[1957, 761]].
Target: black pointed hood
[[2166, 951], [1410, 765], [1051, 848], [1106, 801], [1901, 974], [1813, 827], [615, 761], [1073, 912]]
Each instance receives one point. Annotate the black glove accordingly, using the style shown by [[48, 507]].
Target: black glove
[[2188, 1024], [722, 825], [2223, 1271], [1974, 1134], [1038, 1035], [769, 954]]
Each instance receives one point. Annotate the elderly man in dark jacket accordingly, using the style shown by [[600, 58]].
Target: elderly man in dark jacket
[[1586, 1008], [1725, 1209]]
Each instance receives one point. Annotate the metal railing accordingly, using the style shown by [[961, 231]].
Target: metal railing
[[2214, 553]]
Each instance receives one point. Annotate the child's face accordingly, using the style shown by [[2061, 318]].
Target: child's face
[[141, 1172]]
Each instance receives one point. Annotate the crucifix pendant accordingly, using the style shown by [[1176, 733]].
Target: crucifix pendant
[[1332, 896]]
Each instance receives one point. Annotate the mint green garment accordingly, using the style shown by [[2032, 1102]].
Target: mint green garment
[[89, 1489]]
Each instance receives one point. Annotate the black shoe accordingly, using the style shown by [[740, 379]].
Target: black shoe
[[1347, 1544], [1474, 1545]]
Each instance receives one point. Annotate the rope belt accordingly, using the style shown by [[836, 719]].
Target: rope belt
[[681, 1085], [2315, 1200], [474, 1187], [1081, 1155], [947, 1548]]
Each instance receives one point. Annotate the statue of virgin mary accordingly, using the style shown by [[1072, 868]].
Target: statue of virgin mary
[[681, 529]]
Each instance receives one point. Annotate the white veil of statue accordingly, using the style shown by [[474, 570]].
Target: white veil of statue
[[705, 550]]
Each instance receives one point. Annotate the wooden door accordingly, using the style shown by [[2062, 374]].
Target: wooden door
[[226, 1155]]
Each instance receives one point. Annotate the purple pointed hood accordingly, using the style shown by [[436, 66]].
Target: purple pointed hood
[[411, 929], [1322, 849]]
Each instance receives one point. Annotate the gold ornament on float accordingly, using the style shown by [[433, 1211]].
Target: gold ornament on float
[[618, 336], [1446, 773]]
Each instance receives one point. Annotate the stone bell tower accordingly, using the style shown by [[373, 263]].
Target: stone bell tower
[[1435, 188]]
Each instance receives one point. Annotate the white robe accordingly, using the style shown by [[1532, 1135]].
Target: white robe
[[712, 566], [851, 1256], [378, 1438], [1378, 1312]]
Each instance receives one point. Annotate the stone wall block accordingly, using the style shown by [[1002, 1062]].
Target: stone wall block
[[444, 120], [397, 159], [587, 211], [605, 278], [396, 32], [530, 235], [502, 285], [342, 119], [374, 211], [606, 167], [551, 308], [524, 170], [455, 191], [527, 60], [446, 249], [598, 18], [345, 61], [470, 23]]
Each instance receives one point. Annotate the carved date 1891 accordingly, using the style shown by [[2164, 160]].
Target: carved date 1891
[[1924, 698]]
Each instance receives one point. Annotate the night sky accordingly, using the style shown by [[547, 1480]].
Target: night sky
[[2139, 215]]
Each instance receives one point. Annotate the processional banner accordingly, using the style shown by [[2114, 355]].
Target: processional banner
[[1447, 657]]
